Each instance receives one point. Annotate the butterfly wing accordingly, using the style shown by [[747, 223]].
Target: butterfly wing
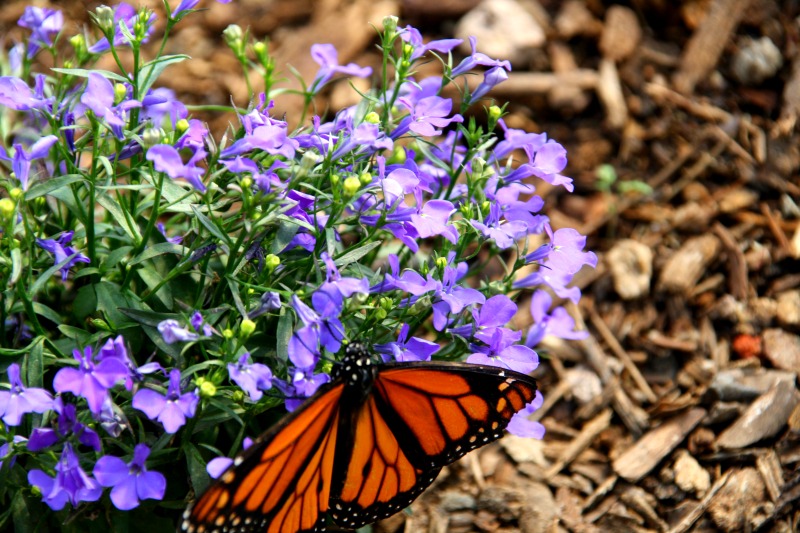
[[281, 483], [418, 418]]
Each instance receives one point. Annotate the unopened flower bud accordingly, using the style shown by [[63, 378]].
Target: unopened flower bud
[[272, 261], [238, 396], [246, 182], [152, 137], [372, 118], [120, 92], [390, 24], [182, 125], [495, 112], [104, 16], [227, 333], [380, 314], [246, 328], [260, 49], [16, 193], [207, 389], [365, 178], [398, 156], [441, 263], [233, 35], [7, 207], [422, 305], [100, 324], [351, 185], [408, 49], [386, 303]]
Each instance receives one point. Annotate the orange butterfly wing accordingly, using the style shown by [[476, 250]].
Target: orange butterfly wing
[[418, 418], [282, 483]]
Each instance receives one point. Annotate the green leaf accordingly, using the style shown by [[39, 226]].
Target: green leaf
[[297, 222], [16, 266], [111, 205], [115, 256], [146, 317], [283, 334], [24, 521], [211, 227], [47, 274], [284, 235], [237, 299], [84, 73], [109, 300], [42, 188], [151, 70], [42, 310], [35, 366], [159, 249], [354, 255], [85, 302], [152, 279], [197, 468]]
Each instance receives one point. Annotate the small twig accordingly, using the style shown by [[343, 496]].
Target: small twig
[[590, 431], [700, 509], [736, 260]]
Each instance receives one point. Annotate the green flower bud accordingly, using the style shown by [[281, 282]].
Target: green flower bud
[[227, 333], [233, 35], [272, 261], [238, 396], [495, 113], [100, 324], [7, 208], [351, 185], [334, 179], [441, 263], [365, 178], [182, 125], [120, 92], [260, 49], [104, 16], [407, 50], [207, 389], [246, 328], [386, 303], [421, 306], [390, 24], [372, 118], [16, 193], [78, 42], [380, 314], [398, 156], [246, 182]]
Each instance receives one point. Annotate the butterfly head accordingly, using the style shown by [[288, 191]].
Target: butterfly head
[[357, 366]]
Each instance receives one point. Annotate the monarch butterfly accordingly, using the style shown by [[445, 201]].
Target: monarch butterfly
[[362, 448]]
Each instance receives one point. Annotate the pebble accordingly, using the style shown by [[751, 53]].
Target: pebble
[[631, 266], [504, 29], [621, 33], [788, 310], [689, 475], [756, 60]]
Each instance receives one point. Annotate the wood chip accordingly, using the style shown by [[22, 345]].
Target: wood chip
[[769, 466], [782, 349], [635, 462], [788, 309], [687, 521], [631, 265], [609, 90], [689, 475], [737, 266], [737, 506], [763, 418], [590, 431], [683, 270], [704, 49], [621, 33]]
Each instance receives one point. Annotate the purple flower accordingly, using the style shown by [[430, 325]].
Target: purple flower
[[167, 159], [516, 139], [160, 103], [557, 281], [335, 282], [557, 323], [547, 162], [502, 352], [493, 314], [100, 97], [217, 466], [452, 298], [504, 234], [405, 349], [15, 94], [66, 424], [321, 326], [127, 15], [270, 301], [304, 383], [252, 377], [171, 409], [67, 256], [132, 481], [172, 331], [22, 159], [327, 58], [69, 484], [413, 37], [477, 58], [90, 380], [427, 115], [44, 24], [567, 253], [519, 424], [163, 231], [20, 399], [199, 324], [271, 137], [491, 78], [116, 348], [432, 219]]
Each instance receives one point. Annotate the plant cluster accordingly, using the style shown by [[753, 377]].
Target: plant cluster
[[165, 294]]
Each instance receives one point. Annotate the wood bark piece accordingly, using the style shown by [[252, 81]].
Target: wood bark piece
[[763, 418], [737, 269], [738, 504], [609, 90], [707, 43], [621, 33], [631, 265], [692, 517], [782, 349], [590, 431], [683, 270], [635, 462], [769, 466]]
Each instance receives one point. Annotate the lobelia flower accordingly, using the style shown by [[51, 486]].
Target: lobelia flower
[[557, 322], [66, 424], [426, 116], [491, 79], [44, 24], [67, 255], [171, 409], [334, 281], [21, 399], [217, 466], [547, 162], [405, 349], [432, 218], [503, 233], [495, 312], [160, 103], [163, 231], [70, 484], [131, 482], [327, 58], [90, 380], [116, 348], [503, 352], [271, 137], [100, 96], [167, 159], [477, 58], [199, 324], [521, 426], [304, 383], [22, 158], [566, 254], [321, 326], [15, 94], [413, 37], [270, 301], [251, 377], [172, 331]]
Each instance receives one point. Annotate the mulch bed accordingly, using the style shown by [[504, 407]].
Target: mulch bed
[[681, 411]]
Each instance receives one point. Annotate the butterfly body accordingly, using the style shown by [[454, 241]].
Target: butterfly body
[[362, 448]]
